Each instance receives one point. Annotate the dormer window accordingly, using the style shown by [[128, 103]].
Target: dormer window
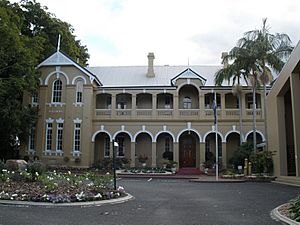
[[187, 103], [57, 91]]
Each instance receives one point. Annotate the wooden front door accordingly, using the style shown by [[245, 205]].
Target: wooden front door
[[187, 151]]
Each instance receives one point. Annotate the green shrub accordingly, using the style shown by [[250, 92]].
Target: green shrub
[[210, 160], [295, 209], [168, 155], [262, 162], [36, 168], [244, 151]]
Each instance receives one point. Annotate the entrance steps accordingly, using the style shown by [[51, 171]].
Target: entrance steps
[[289, 180], [189, 171]]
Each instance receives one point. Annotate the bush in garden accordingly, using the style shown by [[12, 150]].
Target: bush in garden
[[244, 151], [295, 209], [168, 155], [36, 168], [262, 162]]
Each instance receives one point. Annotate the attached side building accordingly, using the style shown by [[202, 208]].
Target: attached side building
[[284, 121]]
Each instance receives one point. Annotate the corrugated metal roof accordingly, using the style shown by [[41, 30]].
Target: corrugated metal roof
[[126, 76]]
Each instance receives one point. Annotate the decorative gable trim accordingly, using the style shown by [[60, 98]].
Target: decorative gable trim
[[191, 74], [61, 59]]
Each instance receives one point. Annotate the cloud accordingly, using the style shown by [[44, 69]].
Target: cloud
[[122, 32]]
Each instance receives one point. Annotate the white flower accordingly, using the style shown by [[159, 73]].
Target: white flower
[[36, 173], [68, 179], [79, 196], [69, 172], [121, 189], [107, 173], [98, 195], [4, 170], [14, 195]]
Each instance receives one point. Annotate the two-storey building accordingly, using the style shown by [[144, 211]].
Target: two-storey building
[[148, 110]]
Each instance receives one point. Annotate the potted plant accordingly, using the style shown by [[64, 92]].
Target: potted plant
[[173, 165]]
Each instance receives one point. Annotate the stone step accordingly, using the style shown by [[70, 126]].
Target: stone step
[[189, 171]]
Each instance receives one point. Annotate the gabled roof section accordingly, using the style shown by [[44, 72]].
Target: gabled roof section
[[135, 76], [61, 59], [188, 73]]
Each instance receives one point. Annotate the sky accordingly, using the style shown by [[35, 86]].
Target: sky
[[179, 32]]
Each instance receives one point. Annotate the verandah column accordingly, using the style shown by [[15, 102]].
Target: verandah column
[[224, 155], [202, 154], [132, 154], [153, 164], [176, 153]]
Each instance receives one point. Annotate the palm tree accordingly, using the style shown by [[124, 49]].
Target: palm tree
[[266, 52], [233, 73]]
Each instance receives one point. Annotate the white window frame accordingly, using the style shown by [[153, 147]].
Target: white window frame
[[31, 141], [49, 132], [59, 135], [56, 100], [79, 99], [34, 99], [77, 128]]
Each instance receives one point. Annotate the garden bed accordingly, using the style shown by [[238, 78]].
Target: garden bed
[[146, 171], [57, 187], [254, 178]]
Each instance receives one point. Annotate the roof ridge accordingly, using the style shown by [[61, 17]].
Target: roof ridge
[[156, 66]]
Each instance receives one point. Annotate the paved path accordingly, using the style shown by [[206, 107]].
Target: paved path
[[167, 202]]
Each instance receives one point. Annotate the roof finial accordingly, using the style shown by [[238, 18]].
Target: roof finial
[[58, 43], [188, 61]]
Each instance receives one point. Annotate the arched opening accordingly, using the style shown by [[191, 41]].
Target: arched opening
[[164, 148], [210, 150], [144, 101], [231, 101], [123, 101], [164, 101], [102, 147], [249, 100], [124, 146], [259, 140], [143, 149], [103, 101], [188, 97], [188, 143], [209, 100], [232, 144]]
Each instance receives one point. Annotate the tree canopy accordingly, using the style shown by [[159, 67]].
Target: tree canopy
[[28, 35]]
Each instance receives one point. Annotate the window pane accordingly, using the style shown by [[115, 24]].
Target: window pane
[[57, 91]]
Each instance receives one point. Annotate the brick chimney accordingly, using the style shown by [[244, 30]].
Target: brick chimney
[[224, 61], [151, 58]]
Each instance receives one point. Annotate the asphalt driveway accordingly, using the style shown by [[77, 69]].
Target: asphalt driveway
[[167, 202]]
